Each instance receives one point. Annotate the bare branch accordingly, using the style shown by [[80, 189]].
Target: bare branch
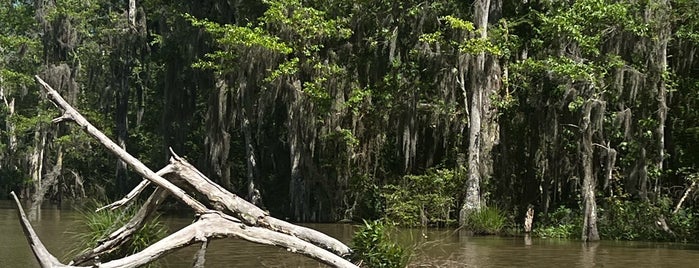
[[247, 222], [136, 165], [40, 252]]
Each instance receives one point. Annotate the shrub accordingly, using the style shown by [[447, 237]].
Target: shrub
[[421, 200], [561, 223], [487, 220], [636, 220], [373, 248], [557, 231]]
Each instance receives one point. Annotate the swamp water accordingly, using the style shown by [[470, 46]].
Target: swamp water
[[433, 248]]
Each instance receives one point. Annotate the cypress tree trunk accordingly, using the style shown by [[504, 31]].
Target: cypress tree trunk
[[485, 81], [660, 70], [589, 231], [218, 137], [297, 187], [254, 195]]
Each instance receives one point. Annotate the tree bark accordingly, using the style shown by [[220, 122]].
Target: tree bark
[[661, 68], [254, 195], [218, 136], [36, 159], [485, 76], [589, 231], [297, 187], [49, 181]]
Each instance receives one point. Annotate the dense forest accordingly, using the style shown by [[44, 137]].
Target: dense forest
[[420, 112]]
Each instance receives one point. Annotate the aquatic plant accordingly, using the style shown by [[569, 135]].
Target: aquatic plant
[[373, 247], [96, 225], [486, 221]]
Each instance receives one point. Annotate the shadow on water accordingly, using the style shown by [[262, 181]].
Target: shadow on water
[[431, 247]]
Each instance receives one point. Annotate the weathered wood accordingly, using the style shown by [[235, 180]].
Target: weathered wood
[[123, 234], [42, 254], [248, 222], [130, 196], [528, 219], [200, 256], [684, 196], [210, 225], [226, 201], [69, 113]]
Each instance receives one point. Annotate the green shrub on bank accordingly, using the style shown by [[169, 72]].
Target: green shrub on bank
[[637, 220], [486, 221], [622, 219], [373, 247], [95, 226], [561, 223], [423, 200]]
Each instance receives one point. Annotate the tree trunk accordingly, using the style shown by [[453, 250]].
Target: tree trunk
[[36, 159], [50, 180], [11, 138], [122, 125], [297, 187], [254, 195], [661, 69], [589, 231], [218, 140], [485, 80]]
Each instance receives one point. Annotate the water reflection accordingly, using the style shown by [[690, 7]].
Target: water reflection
[[432, 248]]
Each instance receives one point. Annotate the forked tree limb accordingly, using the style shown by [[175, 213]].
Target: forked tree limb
[[256, 225], [226, 201], [69, 113], [129, 197], [123, 234], [211, 225]]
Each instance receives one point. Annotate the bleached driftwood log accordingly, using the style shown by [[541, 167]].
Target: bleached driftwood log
[[221, 213]]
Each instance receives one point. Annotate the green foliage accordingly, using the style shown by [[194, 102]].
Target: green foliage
[[95, 226], [456, 23], [421, 200], [486, 221], [558, 231], [636, 220], [372, 247], [587, 22], [685, 225], [628, 220], [11, 180], [468, 45], [231, 38], [561, 223], [687, 14]]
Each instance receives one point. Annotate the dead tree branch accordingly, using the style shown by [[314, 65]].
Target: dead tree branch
[[231, 216]]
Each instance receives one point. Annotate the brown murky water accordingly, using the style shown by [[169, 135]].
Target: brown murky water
[[432, 248]]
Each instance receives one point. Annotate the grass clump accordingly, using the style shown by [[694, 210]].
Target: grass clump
[[373, 247], [95, 226], [486, 221]]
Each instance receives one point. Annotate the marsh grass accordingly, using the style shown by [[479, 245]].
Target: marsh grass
[[486, 221], [95, 226]]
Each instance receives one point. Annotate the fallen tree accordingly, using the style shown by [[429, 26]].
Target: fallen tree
[[219, 213]]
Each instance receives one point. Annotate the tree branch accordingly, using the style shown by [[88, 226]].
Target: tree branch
[[136, 165]]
